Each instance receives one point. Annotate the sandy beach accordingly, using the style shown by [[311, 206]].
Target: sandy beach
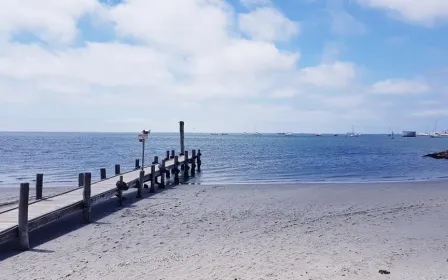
[[304, 231]]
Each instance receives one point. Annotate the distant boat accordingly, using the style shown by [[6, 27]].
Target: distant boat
[[224, 134], [289, 134], [407, 133], [318, 134], [281, 133], [214, 134], [335, 135], [352, 134]]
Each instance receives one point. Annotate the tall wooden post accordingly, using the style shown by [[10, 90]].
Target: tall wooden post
[[39, 185], [137, 163], [162, 174], [156, 160], [173, 154], [182, 144], [199, 162], [117, 169], [80, 179], [103, 173], [176, 170], [23, 216], [186, 166], [87, 207], [193, 163], [167, 157], [141, 181], [152, 189]]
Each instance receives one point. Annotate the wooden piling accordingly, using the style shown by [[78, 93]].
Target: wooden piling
[[193, 163], [167, 157], [87, 207], [162, 174], [117, 169], [198, 160], [182, 134], [156, 160], [80, 179], [186, 167], [39, 185], [103, 173], [173, 154], [137, 163], [23, 216], [176, 170], [120, 193], [152, 189], [141, 181]]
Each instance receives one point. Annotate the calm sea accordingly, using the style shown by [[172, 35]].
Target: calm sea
[[226, 158]]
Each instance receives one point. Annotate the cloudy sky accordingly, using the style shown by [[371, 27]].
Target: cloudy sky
[[236, 65]]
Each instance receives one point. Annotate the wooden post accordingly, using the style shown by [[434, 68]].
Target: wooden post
[[141, 182], [167, 157], [153, 179], [87, 207], [156, 160], [23, 216], [137, 163], [39, 185], [117, 169], [173, 154], [103, 173], [176, 170], [182, 144], [162, 174], [120, 193], [193, 163], [80, 179], [198, 160], [186, 166]]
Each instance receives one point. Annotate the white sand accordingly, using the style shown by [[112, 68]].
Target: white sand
[[255, 232]]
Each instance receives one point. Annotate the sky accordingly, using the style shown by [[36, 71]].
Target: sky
[[224, 66]]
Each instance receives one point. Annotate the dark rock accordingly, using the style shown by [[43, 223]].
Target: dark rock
[[383, 271], [439, 155]]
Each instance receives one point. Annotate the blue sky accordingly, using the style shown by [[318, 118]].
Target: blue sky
[[237, 65]]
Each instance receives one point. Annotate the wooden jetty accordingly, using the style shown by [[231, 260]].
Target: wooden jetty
[[18, 222]]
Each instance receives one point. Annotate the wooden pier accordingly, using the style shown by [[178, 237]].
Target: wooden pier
[[16, 223]]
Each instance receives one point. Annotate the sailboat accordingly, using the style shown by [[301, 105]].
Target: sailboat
[[352, 134], [434, 134]]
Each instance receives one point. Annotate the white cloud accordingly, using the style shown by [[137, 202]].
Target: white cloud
[[420, 12], [254, 3], [335, 74], [400, 86], [268, 24], [51, 20]]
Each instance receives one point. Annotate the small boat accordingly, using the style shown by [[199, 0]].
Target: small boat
[[407, 133], [318, 134], [289, 134], [335, 135]]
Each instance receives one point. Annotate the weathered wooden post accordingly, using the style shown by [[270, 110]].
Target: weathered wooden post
[[182, 144], [87, 207], [80, 179], [162, 174], [153, 179], [117, 169], [185, 165], [167, 157], [156, 160], [173, 154], [120, 192], [103, 173], [39, 185], [137, 163], [23, 216], [141, 181], [193, 163], [176, 170], [199, 162]]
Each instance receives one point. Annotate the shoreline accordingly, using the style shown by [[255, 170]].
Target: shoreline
[[301, 231]]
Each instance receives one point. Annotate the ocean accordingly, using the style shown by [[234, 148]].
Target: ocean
[[232, 158]]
